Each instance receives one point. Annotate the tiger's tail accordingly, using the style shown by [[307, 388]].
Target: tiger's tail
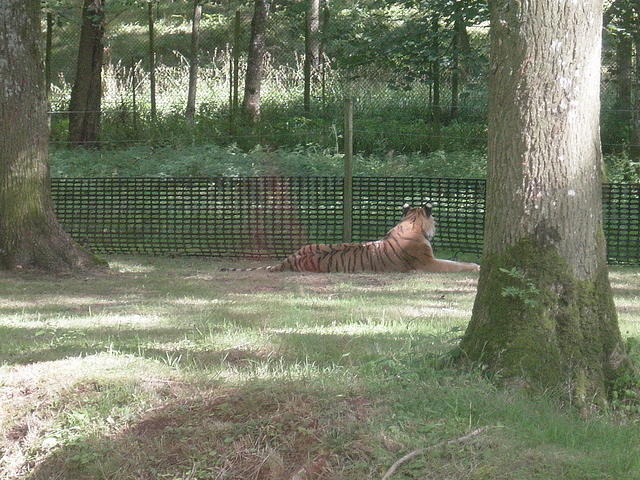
[[268, 268]]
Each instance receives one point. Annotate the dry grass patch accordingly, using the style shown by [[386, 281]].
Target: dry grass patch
[[227, 433]]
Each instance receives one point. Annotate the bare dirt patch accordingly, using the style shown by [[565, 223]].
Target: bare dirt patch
[[261, 434]]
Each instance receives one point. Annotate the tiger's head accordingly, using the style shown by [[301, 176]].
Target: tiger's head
[[419, 220]]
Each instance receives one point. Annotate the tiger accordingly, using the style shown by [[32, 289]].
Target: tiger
[[406, 247]]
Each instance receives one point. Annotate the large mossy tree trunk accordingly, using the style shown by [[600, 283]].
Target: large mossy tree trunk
[[544, 315], [253, 78], [86, 94], [30, 236]]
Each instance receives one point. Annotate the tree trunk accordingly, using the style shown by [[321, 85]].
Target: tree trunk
[[312, 49], [47, 55], [86, 94], [253, 79], [460, 46], [323, 57], [193, 66], [624, 58], [544, 315], [30, 236], [435, 66], [152, 61], [634, 151], [236, 61]]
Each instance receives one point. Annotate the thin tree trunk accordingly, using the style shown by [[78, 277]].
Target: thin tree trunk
[[544, 316], [435, 66], [193, 66], [460, 46], [30, 236], [86, 94], [624, 75], [634, 151], [253, 79], [134, 97], [236, 61], [323, 48], [455, 78], [152, 60], [312, 49]]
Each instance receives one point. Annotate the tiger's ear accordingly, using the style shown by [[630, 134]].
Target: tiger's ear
[[405, 208], [427, 209]]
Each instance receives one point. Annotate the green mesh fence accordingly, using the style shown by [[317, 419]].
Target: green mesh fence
[[273, 216]]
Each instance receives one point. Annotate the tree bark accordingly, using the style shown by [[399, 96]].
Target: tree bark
[[193, 65], [624, 58], [312, 49], [544, 315], [152, 60], [236, 61], [253, 78], [30, 236], [634, 151], [435, 66], [460, 47], [47, 55], [86, 94]]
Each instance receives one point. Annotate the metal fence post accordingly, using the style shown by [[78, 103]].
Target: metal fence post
[[347, 196]]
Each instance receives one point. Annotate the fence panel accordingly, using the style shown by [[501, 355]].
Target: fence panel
[[621, 205], [223, 216], [273, 216]]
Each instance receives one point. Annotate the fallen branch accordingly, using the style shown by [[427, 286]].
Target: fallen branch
[[420, 451]]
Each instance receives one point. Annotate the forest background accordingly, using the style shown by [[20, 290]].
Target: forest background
[[415, 69]]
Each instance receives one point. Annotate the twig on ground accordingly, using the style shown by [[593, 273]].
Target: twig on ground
[[420, 451]]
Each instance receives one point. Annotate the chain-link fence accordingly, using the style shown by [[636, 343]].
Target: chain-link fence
[[418, 80]]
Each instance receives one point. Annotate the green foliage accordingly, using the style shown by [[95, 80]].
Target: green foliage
[[621, 168], [300, 160], [625, 391], [213, 160], [524, 290], [379, 51]]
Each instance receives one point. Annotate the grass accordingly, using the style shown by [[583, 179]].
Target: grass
[[302, 160], [213, 160], [170, 369]]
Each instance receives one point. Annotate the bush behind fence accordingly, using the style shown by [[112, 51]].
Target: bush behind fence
[[260, 217]]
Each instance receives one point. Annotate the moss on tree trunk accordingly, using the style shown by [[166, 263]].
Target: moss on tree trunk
[[536, 324]]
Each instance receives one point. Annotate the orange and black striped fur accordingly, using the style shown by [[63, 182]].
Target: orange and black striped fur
[[404, 248]]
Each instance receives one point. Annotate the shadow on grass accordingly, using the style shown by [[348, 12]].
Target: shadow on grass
[[31, 345], [263, 431]]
